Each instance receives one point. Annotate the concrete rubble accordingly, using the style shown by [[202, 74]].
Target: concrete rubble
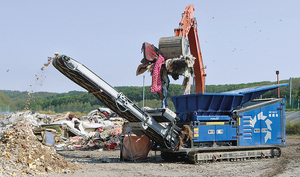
[[22, 153], [29, 140]]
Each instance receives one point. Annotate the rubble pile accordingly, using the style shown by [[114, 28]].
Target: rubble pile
[[35, 119], [29, 140], [22, 153]]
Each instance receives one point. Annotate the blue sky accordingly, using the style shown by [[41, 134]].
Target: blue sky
[[240, 41]]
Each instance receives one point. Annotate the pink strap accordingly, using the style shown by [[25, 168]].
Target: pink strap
[[156, 79]]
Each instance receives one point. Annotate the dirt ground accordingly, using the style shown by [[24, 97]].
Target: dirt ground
[[91, 163]]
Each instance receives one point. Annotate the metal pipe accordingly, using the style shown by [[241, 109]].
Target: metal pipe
[[278, 90], [290, 90], [143, 91]]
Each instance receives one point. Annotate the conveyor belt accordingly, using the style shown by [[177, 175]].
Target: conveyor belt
[[76, 74]]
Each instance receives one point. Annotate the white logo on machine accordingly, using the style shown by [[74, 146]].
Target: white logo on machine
[[268, 122]]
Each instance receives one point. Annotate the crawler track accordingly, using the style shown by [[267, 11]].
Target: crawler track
[[231, 154], [203, 155]]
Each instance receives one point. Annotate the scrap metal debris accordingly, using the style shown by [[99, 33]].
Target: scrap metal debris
[[97, 130]]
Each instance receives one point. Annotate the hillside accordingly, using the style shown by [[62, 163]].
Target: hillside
[[4, 101], [84, 102]]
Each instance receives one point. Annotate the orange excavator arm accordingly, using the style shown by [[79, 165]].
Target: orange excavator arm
[[188, 28]]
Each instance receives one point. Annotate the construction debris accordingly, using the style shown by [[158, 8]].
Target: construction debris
[[29, 140], [22, 153], [100, 129], [34, 119]]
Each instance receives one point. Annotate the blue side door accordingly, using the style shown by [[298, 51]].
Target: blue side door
[[271, 124]]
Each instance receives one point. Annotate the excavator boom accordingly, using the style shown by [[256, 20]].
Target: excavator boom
[[188, 28]]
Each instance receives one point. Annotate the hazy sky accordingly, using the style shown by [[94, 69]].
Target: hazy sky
[[240, 41]]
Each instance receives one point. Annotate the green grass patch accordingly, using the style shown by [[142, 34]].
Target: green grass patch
[[293, 128]]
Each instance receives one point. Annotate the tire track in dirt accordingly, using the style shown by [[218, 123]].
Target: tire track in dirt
[[290, 155]]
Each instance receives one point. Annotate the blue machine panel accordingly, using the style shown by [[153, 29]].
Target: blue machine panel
[[271, 125], [225, 133], [262, 126], [204, 133]]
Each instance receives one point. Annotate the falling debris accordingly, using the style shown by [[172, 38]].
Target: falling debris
[[39, 79], [49, 61]]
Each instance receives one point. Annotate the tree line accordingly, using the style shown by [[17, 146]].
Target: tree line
[[84, 102]]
